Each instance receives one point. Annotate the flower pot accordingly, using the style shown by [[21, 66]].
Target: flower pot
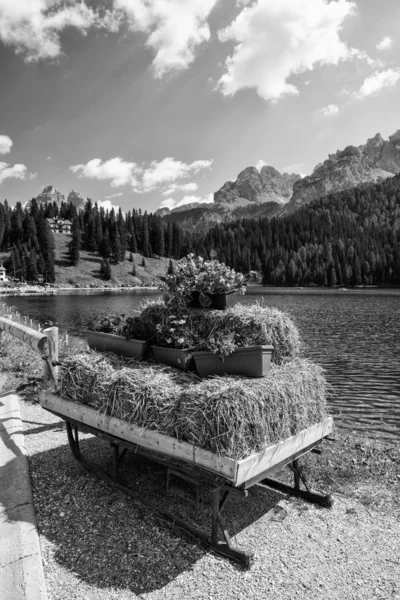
[[218, 301], [180, 358], [252, 361], [108, 342]]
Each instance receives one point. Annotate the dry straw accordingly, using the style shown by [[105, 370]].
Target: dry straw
[[230, 416]]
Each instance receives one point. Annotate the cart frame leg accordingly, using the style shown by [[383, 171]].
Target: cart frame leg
[[226, 549], [324, 500]]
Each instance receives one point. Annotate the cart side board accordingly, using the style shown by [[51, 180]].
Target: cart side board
[[236, 472]]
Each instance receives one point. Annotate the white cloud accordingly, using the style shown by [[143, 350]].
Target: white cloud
[[385, 44], [169, 170], [33, 27], [141, 178], [294, 168], [116, 169], [108, 205], [14, 172], [111, 196], [174, 28], [5, 144], [261, 163], [275, 40], [378, 81], [329, 111], [180, 187], [171, 203]]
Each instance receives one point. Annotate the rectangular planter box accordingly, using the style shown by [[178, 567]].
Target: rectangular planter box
[[237, 472], [108, 342], [253, 361], [180, 358]]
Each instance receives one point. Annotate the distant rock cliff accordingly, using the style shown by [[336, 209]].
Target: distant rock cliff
[[253, 194], [76, 199], [50, 194], [375, 160], [251, 185]]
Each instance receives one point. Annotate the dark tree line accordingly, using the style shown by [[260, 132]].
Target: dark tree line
[[26, 233], [347, 238]]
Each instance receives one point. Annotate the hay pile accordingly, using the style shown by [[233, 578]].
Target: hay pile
[[245, 325], [231, 416]]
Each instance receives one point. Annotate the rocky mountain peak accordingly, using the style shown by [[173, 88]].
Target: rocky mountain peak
[[76, 199], [375, 160], [50, 194], [253, 186]]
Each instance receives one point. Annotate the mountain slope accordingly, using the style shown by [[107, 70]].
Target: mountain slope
[[267, 192], [373, 161]]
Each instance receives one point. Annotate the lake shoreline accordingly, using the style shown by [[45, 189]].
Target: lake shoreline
[[252, 290], [76, 291]]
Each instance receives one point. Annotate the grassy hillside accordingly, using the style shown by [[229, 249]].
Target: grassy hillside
[[87, 272]]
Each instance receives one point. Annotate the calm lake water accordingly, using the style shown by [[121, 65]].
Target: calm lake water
[[354, 335]]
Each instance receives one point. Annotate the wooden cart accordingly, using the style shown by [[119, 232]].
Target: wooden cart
[[223, 476]]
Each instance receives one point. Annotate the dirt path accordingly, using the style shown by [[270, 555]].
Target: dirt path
[[98, 545]]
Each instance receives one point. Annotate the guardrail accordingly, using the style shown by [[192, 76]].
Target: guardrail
[[46, 342]]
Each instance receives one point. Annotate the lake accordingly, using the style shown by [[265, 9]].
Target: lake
[[354, 335]]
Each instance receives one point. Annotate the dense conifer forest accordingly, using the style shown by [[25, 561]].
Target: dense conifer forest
[[26, 233], [347, 238]]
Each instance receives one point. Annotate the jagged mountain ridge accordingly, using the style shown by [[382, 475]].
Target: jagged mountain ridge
[[254, 193], [373, 161], [268, 192], [50, 194]]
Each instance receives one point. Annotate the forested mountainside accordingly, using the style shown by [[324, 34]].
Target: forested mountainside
[[349, 238], [26, 234]]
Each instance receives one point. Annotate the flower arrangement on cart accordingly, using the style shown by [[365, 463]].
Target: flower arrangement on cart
[[235, 420]]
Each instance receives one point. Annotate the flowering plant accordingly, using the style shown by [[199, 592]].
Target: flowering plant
[[128, 327], [202, 277], [174, 331]]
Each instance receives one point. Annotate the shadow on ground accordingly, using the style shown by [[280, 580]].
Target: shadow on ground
[[109, 540]]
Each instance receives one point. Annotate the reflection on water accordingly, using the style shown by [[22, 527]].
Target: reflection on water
[[355, 337]]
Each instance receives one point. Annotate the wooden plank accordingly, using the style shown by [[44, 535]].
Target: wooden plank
[[237, 472], [33, 338], [257, 463], [153, 440]]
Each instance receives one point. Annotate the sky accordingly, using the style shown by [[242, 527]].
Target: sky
[[154, 103]]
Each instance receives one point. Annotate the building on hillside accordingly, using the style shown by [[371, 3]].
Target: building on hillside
[[3, 274], [58, 225]]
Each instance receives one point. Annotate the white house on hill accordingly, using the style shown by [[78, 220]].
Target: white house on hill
[[59, 225], [3, 274]]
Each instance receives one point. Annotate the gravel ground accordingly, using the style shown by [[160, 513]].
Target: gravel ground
[[97, 544]]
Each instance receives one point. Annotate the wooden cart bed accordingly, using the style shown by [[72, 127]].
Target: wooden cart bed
[[201, 467]]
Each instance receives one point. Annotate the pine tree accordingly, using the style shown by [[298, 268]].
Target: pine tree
[[143, 262], [105, 269], [133, 268], [32, 270], [170, 270], [105, 250], [75, 243], [146, 248]]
